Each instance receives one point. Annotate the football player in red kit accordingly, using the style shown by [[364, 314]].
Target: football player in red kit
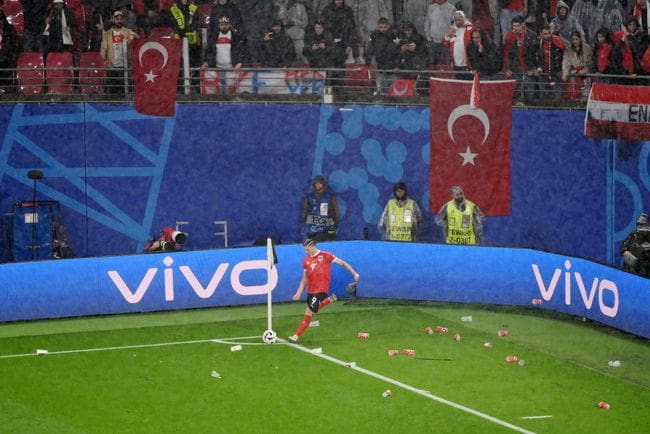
[[316, 277]]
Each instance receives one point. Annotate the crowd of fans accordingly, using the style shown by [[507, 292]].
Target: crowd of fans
[[552, 47]]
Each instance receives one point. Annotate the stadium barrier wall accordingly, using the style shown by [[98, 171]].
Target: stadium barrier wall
[[227, 277], [121, 177]]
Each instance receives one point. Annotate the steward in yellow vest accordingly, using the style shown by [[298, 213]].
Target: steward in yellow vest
[[184, 25], [460, 219], [402, 218]]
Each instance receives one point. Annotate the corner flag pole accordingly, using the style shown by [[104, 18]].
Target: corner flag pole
[[271, 260]]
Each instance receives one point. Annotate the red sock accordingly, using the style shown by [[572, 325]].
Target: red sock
[[324, 303], [303, 325]]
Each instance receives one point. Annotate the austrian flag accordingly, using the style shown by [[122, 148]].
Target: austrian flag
[[155, 72], [618, 112]]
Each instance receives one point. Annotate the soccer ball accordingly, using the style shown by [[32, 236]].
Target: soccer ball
[[269, 337]]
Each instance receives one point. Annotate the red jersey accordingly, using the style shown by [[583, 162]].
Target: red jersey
[[318, 269]]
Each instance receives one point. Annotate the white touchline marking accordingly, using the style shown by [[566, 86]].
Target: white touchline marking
[[546, 416], [132, 347], [421, 392]]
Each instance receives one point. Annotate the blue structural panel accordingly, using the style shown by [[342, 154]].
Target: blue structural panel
[[226, 277]]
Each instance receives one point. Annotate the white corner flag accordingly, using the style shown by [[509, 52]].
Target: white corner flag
[[271, 260]]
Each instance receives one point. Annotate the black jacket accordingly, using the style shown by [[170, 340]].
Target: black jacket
[[383, 47], [320, 57]]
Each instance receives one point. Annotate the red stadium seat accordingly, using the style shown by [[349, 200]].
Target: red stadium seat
[[31, 73], [203, 14], [92, 72], [161, 32], [13, 10], [60, 74]]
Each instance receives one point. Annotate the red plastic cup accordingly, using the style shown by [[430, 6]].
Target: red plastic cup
[[440, 329], [363, 335], [603, 404], [511, 358], [502, 333], [408, 352], [428, 330], [393, 352]]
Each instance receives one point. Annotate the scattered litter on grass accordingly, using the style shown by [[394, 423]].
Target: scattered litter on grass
[[428, 330], [440, 329], [604, 405], [318, 350], [236, 348], [41, 352], [511, 358], [387, 393], [351, 365], [467, 318], [614, 363], [215, 374], [408, 352], [363, 335], [457, 337], [314, 324], [487, 344], [503, 333], [521, 362], [393, 352]]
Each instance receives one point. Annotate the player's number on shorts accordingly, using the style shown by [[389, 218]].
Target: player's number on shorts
[[313, 300]]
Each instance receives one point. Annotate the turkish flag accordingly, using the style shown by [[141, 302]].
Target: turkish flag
[[402, 87], [470, 145], [155, 72]]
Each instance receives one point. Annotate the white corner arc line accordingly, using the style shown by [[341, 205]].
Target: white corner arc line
[[421, 392]]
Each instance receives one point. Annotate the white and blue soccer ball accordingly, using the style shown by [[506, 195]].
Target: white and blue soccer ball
[[269, 337]]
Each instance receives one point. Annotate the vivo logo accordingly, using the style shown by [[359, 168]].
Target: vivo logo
[[587, 294], [169, 277]]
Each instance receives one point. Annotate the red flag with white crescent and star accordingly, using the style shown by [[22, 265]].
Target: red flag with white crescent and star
[[470, 142], [156, 64]]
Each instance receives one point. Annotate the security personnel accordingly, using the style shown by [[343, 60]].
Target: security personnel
[[460, 219], [185, 26], [320, 212], [402, 218], [636, 248]]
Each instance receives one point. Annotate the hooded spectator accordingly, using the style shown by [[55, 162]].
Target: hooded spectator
[[276, 50], [563, 24]]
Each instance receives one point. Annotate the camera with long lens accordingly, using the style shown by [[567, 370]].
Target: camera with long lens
[[171, 241], [641, 249]]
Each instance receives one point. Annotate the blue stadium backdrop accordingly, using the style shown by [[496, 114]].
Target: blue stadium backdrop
[[120, 176]]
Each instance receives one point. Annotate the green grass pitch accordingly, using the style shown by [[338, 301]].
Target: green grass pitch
[[152, 373]]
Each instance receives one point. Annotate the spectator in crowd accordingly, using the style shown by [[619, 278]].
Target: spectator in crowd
[[483, 55], [339, 20], [320, 211], [602, 53], [594, 14], [413, 51], [576, 64], [150, 14], [316, 8], [544, 64], [226, 8], [316, 277], [509, 10], [257, 16], [34, 13], [641, 12], [636, 248], [383, 48], [630, 46], [293, 15], [415, 11], [115, 52], [60, 28], [564, 24], [436, 25], [226, 49], [185, 24], [457, 39], [460, 219], [518, 42], [130, 18], [402, 218], [9, 49], [276, 50], [366, 14], [318, 47]]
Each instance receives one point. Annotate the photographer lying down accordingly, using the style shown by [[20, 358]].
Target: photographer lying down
[[636, 248], [169, 240]]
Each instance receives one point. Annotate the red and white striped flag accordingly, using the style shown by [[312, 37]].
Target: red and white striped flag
[[618, 112]]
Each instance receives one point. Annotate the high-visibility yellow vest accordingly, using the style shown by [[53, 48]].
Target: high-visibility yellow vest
[[193, 36], [460, 224], [401, 220]]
